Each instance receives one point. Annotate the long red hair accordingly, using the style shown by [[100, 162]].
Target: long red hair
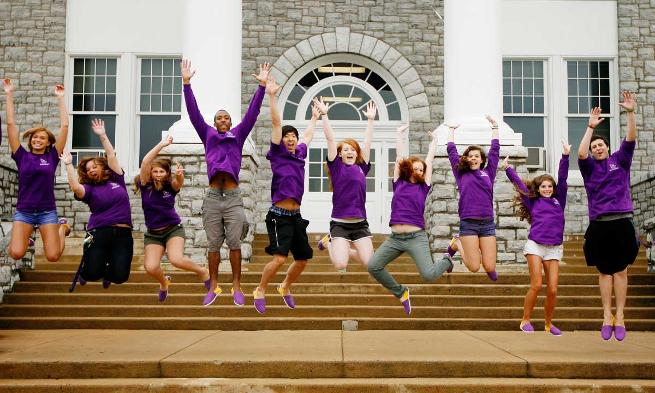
[[406, 169]]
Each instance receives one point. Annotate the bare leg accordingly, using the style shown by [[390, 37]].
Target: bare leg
[[488, 249], [269, 271], [294, 271], [235, 262], [620, 293], [53, 240], [364, 249], [605, 282], [551, 269], [469, 249], [175, 251], [152, 264], [339, 250], [19, 242], [534, 266], [213, 259]]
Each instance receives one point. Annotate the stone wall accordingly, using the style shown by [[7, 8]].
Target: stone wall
[[404, 37], [643, 199], [8, 191]]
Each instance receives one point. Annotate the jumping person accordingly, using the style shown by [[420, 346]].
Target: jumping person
[[35, 206], [348, 165], [412, 179], [287, 230], [475, 174], [611, 242], [158, 188], [223, 215], [100, 183], [541, 202]]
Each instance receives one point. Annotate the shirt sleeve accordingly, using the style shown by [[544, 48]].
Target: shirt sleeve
[[302, 151], [492, 159], [586, 166], [562, 177], [453, 157], [334, 166], [250, 118], [625, 153], [18, 155], [88, 192], [194, 114], [518, 183], [366, 167]]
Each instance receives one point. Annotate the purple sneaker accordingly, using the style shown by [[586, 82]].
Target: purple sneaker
[[407, 304], [493, 276], [606, 332], [260, 302], [554, 330], [31, 241], [163, 294], [323, 243], [239, 299], [287, 297], [451, 251], [211, 296], [619, 332], [526, 327], [106, 283]]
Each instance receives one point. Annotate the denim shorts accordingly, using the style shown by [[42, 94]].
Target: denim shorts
[[480, 228], [37, 218]]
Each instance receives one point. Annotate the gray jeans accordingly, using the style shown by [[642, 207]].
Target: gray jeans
[[417, 246]]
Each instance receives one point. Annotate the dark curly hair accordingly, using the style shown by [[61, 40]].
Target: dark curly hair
[[533, 193], [406, 169], [83, 176], [463, 160]]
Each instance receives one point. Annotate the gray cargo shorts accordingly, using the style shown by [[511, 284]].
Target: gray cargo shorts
[[224, 219]]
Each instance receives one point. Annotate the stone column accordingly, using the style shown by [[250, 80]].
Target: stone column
[[473, 72], [212, 42]]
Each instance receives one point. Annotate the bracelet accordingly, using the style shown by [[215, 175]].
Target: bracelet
[[494, 127], [589, 126], [629, 110], [68, 163]]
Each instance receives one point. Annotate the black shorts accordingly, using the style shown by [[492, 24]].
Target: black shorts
[[351, 231], [288, 233], [611, 246]]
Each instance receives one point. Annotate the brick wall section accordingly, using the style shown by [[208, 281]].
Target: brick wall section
[[408, 32]]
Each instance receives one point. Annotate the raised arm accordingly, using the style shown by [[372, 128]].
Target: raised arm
[[327, 128], [453, 155], [594, 121], [12, 128], [370, 112], [195, 116], [63, 119], [516, 180], [430, 157], [401, 149], [494, 127], [276, 122], [563, 174], [494, 150], [146, 164], [630, 104], [178, 179], [250, 118], [73, 182], [308, 135], [98, 127]]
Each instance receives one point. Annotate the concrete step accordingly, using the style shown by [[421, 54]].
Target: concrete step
[[496, 289], [181, 299], [411, 277], [276, 309], [291, 323], [326, 385]]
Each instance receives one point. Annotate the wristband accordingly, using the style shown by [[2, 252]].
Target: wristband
[[494, 127], [589, 126], [629, 110]]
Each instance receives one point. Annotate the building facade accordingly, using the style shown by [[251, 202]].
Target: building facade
[[119, 62]]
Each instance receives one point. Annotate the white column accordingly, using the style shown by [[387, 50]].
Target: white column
[[212, 41], [473, 72]]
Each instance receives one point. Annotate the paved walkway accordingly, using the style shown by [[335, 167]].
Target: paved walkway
[[321, 354]]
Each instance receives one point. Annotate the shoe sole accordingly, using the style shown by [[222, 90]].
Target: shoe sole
[[210, 303]]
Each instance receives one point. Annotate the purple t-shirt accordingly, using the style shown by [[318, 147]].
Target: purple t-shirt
[[288, 172], [408, 203], [223, 149], [36, 179], [108, 202], [159, 206], [608, 181], [349, 188], [547, 213], [476, 188]]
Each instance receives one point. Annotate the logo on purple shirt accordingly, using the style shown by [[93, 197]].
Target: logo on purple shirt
[[44, 162], [114, 185], [229, 134], [166, 194], [483, 174], [613, 166]]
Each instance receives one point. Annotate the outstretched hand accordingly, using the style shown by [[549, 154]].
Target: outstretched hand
[[187, 73], [7, 85], [66, 157], [594, 117], [629, 102], [179, 170], [316, 113], [402, 129], [370, 111], [262, 77], [59, 90], [505, 164], [166, 141], [321, 105], [271, 86], [566, 148], [98, 127], [491, 120]]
